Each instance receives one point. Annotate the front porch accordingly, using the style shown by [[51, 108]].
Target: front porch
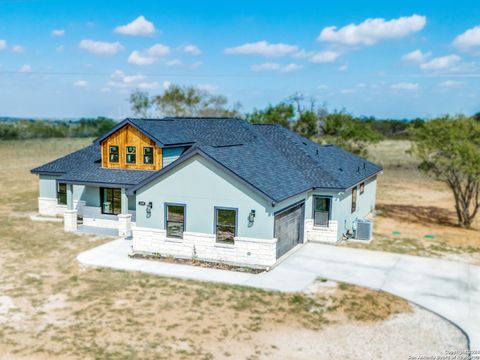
[[110, 217]]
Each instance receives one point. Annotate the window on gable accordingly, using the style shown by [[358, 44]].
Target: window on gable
[[113, 154], [131, 155], [354, 199], [62, 194], [148, 155], [321, 210], [225, 225], [362, 188], [175, 220]]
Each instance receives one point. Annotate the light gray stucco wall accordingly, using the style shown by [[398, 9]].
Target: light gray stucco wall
[[171, 154], [202, 187], [48, 188], [342, 209]]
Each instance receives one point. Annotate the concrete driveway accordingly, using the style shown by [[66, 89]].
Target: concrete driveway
[[450, 289]]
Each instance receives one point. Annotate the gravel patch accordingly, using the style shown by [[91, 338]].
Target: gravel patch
[[419, 333]]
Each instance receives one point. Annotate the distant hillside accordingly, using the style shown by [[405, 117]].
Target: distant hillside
[[18, 128]]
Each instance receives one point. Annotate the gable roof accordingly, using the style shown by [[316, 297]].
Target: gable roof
[[270, 159]]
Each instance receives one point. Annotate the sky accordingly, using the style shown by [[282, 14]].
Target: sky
[[395, 59]]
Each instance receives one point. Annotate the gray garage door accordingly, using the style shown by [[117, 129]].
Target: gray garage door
[[289, 228]]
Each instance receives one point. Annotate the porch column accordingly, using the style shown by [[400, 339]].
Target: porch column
[[124, 218], [70, 215]]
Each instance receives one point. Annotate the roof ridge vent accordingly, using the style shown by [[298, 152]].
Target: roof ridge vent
[[226, 145]]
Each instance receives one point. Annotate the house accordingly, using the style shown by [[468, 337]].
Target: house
[[217, 189]]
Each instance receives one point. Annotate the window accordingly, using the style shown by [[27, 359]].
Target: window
[[354, 199], [175, 220], [131, 155], [321, 210], [225, 224], [148, 155], [113, 154], [362, 188], [62, 194], [111, 201]]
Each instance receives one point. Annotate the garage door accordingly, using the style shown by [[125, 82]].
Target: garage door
[[289, 228]]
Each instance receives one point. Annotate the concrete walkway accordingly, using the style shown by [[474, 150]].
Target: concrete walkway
[[450, 289]]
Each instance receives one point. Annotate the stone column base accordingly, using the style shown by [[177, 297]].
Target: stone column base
[[125, 225], [70, 220]]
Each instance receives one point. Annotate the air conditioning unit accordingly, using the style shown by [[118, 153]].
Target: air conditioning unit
[[362, 229]]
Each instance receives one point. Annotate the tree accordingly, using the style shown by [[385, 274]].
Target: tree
[[140, 103], [306, 125], [281, 114], [449, 150], [347, 132], [191, 101]]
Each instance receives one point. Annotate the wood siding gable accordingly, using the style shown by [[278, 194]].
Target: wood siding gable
[[130, 136]]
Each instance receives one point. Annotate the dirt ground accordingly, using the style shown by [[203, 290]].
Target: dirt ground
[[415, 214], [52, 308]]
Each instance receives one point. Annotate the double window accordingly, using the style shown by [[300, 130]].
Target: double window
[[131, 155], [225, 224], [321, 210], [148, 155], [175, 220], [354, 199], [111, 200], [113, 154], [62, 194]]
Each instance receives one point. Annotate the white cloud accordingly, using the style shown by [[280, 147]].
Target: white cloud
[[80, 83], [26, 69], [18, 49], [148, 85], [121, 80], [105, 89], [262, 48], [191, 49], [58, 32], [290, 68], [196, 64], [322, 87], [442, 62], [138, 27], [149, 56], [3, 44], [166, 85], [373, 30], [269, 66], [451, 84], [404, 86], [158, 50], [343, 67], [416, 56], [174, 62], [469, 39], [207, 87], [323, 57], [100, 47], [136, 58], [347, 91]]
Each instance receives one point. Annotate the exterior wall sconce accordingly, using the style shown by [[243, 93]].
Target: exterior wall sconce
[[251, 216], [149, 209]]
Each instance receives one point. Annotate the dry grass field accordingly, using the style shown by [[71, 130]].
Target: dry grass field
[[52, 308], [416, 214]]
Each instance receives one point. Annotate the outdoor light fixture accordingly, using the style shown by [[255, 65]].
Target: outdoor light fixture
[[251, 216], [149, 209]]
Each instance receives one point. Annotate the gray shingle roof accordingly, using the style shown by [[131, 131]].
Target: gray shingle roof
[[273, 160], [84, 166]]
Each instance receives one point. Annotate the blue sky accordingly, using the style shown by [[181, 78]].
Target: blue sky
[[387, 59]]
